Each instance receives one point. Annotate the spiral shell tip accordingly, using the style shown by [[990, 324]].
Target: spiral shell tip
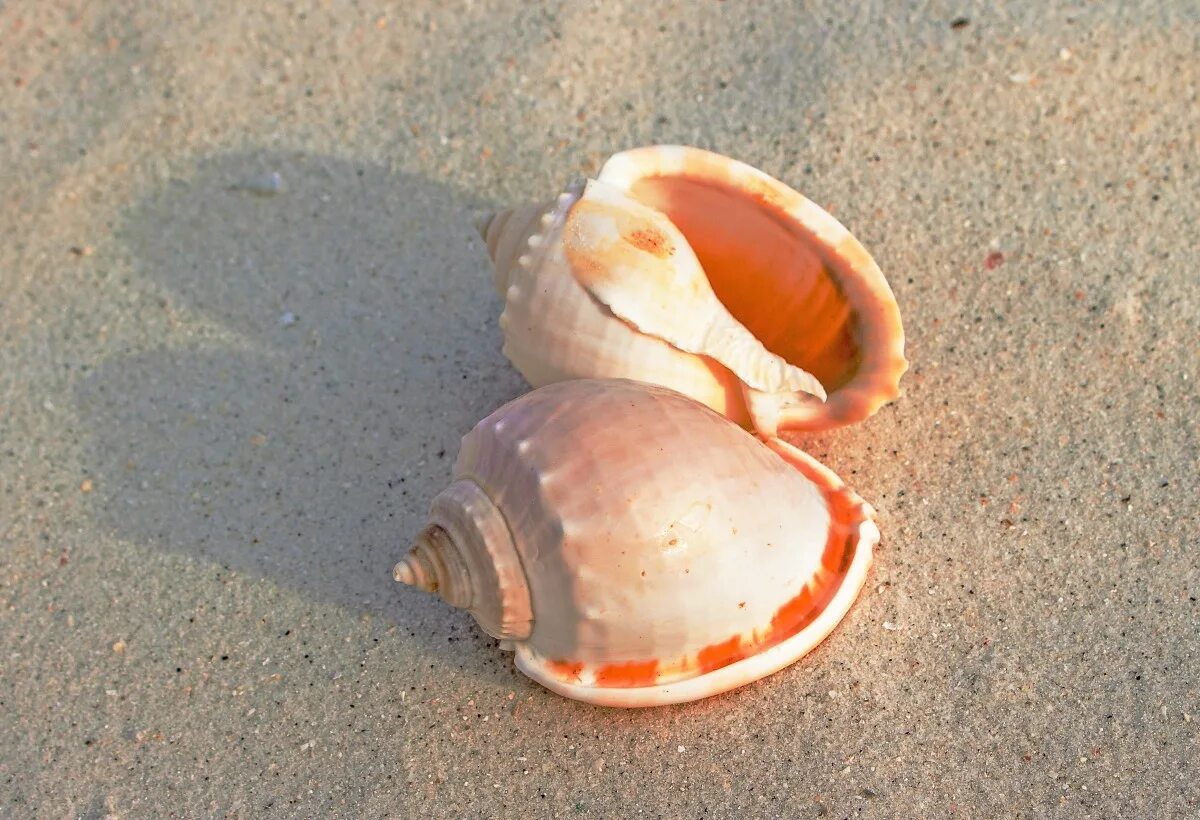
[[412, 572], [483, 222]]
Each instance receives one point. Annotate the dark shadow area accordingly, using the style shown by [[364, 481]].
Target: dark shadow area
[[342, 338]]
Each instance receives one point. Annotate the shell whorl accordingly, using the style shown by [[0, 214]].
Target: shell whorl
[[467, 557], [506, 234], [515, 236], [435, 565]]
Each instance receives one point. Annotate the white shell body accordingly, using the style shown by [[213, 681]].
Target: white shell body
[[684, 268], [668, 554]]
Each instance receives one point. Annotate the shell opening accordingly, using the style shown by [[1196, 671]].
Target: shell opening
[[766, 269]]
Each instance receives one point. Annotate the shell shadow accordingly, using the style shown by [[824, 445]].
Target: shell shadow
[[325, 346]]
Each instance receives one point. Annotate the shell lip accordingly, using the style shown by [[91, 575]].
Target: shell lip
[[726, 678], [877, 379], [855, 560]]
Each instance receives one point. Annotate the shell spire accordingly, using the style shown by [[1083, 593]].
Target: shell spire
[[436, 566], [466, 556]]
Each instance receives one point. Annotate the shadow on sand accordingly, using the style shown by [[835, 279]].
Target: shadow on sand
[[332, 341]]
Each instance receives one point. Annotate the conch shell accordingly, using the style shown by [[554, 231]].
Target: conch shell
[[636, 548], [681, 267]]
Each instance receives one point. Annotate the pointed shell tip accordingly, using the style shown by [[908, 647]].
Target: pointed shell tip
[[403, 573], [483, 222], [418, 571]]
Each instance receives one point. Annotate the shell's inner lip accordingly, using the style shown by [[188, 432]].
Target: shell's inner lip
[[767, 270], [841, 546]]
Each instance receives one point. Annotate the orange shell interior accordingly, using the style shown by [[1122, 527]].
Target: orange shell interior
[[846, 511], [766, 270]]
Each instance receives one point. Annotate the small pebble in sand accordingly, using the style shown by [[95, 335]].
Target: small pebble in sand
[[287, 319], [81, 250], [118, 647], [86, 486], [268, 184], [889, 626]]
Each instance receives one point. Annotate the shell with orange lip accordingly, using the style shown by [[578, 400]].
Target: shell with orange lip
[[685, 268], [636, 548]]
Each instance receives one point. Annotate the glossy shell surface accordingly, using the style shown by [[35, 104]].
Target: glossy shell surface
[[668, 554]]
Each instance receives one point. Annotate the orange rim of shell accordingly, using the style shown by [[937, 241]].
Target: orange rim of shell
[[797, 627], [786, 269]]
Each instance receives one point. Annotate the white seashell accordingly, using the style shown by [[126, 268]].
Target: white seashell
[[684, 268], [635, 548]]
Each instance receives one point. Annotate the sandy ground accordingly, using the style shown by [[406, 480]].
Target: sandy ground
[[225, 403]]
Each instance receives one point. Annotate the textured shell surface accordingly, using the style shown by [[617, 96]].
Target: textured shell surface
[[685, 268], [668, 554]]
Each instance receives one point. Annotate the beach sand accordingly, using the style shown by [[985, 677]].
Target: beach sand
[[245, 319]]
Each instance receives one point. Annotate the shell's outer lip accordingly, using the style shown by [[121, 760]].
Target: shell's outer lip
[[737, 674], [882, 340], [753, 667], [624, 169]]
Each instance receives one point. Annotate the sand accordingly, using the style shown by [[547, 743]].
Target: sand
[[245, 318]]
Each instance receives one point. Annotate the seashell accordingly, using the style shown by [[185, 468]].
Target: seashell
[[636, 548], [684, 268]]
